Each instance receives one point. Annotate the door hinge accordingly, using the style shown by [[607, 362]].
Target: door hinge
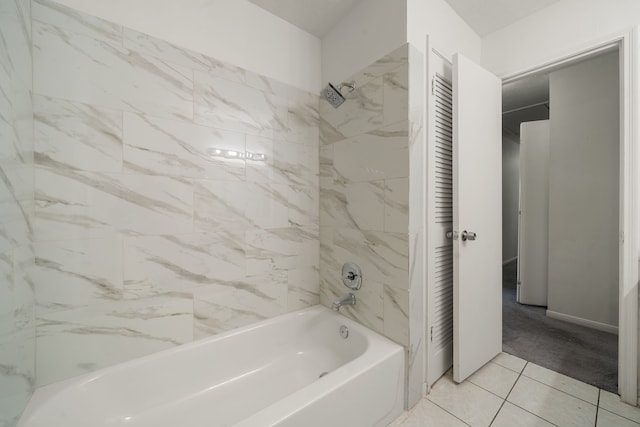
[[433, 85], [431, 334]]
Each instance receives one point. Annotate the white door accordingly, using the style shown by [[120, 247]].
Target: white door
[[533, 230], [477, 217]]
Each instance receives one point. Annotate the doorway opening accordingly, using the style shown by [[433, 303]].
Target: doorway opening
[[561, 188], [439, 316]]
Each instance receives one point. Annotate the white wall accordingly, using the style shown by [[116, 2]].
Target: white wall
[[554, 31], [448, 32], [372, 29], [234, 31], [534, 220], [510, 183], [583, 190]]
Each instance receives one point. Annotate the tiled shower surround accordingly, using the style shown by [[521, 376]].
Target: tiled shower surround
[[139, 237], [17, 321], [144, 239], [371, 173], [364, 195]]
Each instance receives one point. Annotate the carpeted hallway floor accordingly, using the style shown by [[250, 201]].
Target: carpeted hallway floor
[[582, 353]]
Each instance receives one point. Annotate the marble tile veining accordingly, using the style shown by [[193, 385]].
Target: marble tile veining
[[382, 66], [157, 146], [220, 308], [75, 273], [303, 290], [72, 342], [384, 256], [16, 185], [396, 205], [359, 205], [144, 237], [379, 154], [71, 204], [77, 136], [113, 76], [303, 119], [17, 356], [237, 107], [76, 21], [174, 263], [361, 112], [396, 95], [364, 206], [396, 314], [17, 306], [148, 45], [281, 249]]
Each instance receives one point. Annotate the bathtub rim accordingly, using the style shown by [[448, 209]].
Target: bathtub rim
[[356, 366]]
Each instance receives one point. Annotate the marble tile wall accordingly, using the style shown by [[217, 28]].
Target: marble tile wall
[[17, 320], [143, 239], [364, 195]]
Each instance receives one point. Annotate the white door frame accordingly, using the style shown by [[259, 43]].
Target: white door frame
[[628, 43]]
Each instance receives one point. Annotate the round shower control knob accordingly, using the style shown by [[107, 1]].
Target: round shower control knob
[[351, 276]]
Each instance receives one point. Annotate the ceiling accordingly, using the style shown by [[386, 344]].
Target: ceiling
[[319, 16], [314, 16], [487, 16]]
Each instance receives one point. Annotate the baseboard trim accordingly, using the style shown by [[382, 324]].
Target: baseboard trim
[[583, 322], [509, 260]]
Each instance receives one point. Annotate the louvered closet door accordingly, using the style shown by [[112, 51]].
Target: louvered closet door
[[439, 221]]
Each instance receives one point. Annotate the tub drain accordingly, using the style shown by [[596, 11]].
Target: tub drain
[[323, 374]]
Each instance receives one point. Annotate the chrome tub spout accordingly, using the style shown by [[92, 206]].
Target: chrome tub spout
[[348, 299]]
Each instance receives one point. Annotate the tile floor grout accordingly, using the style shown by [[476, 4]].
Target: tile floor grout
[[507, 396], [453, 415], [521, 373], [562, 391], [597, 409]]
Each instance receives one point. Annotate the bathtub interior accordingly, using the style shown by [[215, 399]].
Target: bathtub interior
[[225, 374], [266, 349]]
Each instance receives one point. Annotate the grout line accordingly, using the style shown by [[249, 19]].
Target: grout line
[[613, 412], [562, 391], [535, 415], [453, 415], [621, 416], [507, 396], [597, 409]]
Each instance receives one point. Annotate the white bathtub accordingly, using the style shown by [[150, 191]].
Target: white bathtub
[[266, 374]]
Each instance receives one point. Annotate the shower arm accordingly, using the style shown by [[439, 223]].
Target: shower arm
[[351, 85]]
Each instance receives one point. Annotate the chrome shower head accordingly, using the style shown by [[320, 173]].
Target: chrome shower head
[[334, 95]]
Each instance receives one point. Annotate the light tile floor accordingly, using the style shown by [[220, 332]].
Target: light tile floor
[[511, 392]]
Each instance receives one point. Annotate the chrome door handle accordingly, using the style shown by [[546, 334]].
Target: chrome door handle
[[468, 235], [451, 235]]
